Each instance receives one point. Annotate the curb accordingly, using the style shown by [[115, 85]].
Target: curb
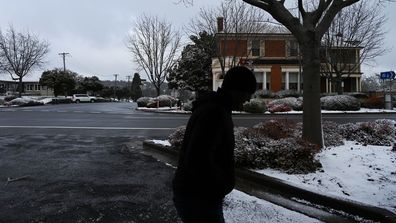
[[276, 186]]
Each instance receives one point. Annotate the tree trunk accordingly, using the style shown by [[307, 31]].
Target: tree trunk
[[312, 117], [20, 86], [339, 89], [158, 89]]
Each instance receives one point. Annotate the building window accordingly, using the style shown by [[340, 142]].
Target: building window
[[293, 81], [268, 80], [259, 80], [255, 48], [293, 48]]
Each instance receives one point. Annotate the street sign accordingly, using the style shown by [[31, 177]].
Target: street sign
[[387, 75]]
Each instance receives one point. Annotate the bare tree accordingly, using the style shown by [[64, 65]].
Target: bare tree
[[20, 53], [235, 17], [364, 31], [154, 45]]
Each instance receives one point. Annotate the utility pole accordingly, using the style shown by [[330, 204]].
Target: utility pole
[[129, 79], [63, 54], [115, 84]]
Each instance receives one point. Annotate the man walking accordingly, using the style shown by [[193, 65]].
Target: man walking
[[205, 172]]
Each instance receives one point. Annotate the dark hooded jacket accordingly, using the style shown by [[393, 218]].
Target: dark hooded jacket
[[206, 160]]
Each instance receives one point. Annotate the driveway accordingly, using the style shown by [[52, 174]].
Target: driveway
[[72, 178]]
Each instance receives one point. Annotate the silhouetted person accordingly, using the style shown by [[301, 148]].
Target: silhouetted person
[[205, 172]]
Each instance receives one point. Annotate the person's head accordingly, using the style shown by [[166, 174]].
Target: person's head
[[240, 83]]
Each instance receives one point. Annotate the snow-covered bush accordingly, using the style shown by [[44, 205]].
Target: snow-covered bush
[[287, 93], [24, 102], [275, 129], [340, 102], [187, 106], [331, 134], [263, 94], [176, 138], [166, 100], [380, 132], [295, 103], [161, 101], [255, 105], [254, 149], [143, 101], [279, 108]]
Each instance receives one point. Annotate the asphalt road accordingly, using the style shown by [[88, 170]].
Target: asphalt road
[[121, 119]]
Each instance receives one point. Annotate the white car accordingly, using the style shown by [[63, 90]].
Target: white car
[[77, 98]]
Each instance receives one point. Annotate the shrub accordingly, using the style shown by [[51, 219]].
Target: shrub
[[176, 138], [263, 94], [331, 134], [143, 101], [340, 102], [275, 129], [255, 106], [61, 101], [287, 93], [9, 98], [253, 150], [166, 100], [380, 132], [188, 106], [279, 108], [295, 103], [24, 102], [373, 102]]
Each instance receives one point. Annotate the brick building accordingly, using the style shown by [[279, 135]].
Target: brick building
[[275, 60]]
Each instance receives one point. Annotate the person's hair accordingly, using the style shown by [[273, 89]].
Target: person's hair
[[239, 78]]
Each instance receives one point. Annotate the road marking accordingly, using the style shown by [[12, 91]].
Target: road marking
[[82, 127]]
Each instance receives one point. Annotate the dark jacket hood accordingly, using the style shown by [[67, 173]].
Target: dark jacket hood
[[218, 97]]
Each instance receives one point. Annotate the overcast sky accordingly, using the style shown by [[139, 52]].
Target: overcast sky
[[94, 31]]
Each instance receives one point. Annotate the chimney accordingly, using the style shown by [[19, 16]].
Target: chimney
[[220, 24]]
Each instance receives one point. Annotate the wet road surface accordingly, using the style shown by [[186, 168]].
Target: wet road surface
[[72, 178]]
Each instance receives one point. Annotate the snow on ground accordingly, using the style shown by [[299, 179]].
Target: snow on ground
[[161, 142], [241, 207], [366, 174], [361, 173]]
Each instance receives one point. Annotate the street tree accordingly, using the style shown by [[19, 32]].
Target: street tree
[[92, 84], [154, 45], [63, 83], [20, 53], [364, 31], [371, 83], [136, 90], [193, 70], [230, 17]]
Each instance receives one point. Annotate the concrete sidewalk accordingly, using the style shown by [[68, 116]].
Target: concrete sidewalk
[[323, 207]]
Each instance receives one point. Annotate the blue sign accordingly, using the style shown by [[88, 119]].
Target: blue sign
[[387, 75]]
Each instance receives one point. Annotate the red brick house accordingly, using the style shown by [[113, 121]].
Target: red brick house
[[275, 60]]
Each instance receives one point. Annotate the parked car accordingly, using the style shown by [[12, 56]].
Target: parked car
[[77, 98]]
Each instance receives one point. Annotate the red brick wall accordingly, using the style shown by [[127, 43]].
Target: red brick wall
[[276, 78], [233, 48], [275, 48]]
